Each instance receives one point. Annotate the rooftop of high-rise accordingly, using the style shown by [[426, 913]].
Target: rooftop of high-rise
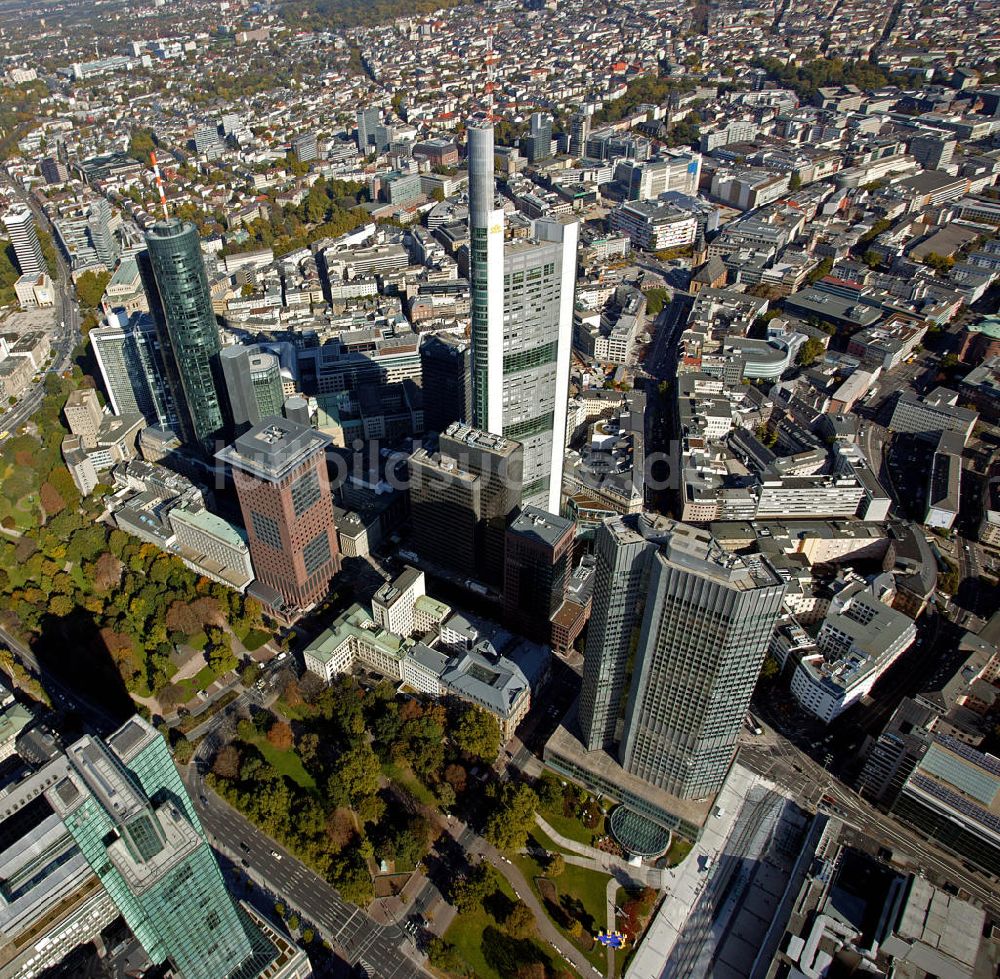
[[273, 448], [479, 439], [533, 522], [169, 228], [695, 550], [446, 464]]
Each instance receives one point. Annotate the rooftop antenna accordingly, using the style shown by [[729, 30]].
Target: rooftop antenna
[[490, 60], [159, 184]]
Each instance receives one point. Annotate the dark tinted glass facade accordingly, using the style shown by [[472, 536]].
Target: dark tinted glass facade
[[182, 307]]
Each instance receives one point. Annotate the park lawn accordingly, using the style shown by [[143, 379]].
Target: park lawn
[[588, 886], [198, 641], [252, 639], [466, 934], [571, 827], [543, 839], [403, 776], [294, 712], [192, 684], [24, 514], [285, 762]]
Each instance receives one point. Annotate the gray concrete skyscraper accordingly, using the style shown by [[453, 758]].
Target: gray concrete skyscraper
[[522, 325], [101, 235], [538, 142], [463, 497], [579, 133], [622, 548], [695, 619], [176, 285]]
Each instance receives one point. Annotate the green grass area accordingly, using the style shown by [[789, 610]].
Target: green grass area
[[471, 936], [192, 684], [285, 762], [679, 849], [402, 775], [575, 883], [590, 888], [294, 712], [23, 510], [198, 641], [571, 827], [544, 840], [253, 639]]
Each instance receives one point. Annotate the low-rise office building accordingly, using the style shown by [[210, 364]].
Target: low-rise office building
[[927, 417], [859, 639], [952, 796]]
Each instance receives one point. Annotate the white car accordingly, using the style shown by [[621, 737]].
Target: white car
[[275, 854]]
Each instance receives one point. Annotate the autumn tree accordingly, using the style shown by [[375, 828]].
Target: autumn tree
[[107, 573], [280, 735], [52, 501], [340, 828], [190, 618], [226, 763]]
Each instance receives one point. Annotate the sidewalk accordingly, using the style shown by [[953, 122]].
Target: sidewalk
[[546, 929], [594, 859]]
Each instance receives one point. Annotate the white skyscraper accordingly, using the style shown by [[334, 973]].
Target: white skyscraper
[[522, 324], [20, 225]]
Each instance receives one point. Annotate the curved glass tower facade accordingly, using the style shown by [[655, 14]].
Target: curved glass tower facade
[[181, 304]]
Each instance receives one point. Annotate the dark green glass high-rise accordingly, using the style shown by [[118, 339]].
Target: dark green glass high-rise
[[125, 806], [179, 299]]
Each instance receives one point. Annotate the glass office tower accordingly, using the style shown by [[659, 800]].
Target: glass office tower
[[131, 359], [685, 624], [126, 808], [181, 304], [522, 327], [253, 385]]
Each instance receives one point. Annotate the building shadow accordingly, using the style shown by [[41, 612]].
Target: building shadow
[[78, 672]]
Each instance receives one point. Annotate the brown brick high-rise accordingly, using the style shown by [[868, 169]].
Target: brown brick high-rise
[[279, 468]]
